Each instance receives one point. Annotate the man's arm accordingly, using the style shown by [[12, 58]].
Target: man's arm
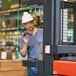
[[24, 48]]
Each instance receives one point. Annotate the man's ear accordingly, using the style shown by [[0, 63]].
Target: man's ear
[[34, 22]]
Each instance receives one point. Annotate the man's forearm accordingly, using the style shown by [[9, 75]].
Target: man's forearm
[[24, 49]]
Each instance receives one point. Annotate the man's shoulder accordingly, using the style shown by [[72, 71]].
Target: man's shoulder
[[40, 32], [40, 29]]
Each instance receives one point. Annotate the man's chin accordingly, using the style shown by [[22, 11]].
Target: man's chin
[[30, 29]]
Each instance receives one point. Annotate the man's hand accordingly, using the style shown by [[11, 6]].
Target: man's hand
[[26, 39]]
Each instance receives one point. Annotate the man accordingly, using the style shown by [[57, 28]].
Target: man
[[30, 44]]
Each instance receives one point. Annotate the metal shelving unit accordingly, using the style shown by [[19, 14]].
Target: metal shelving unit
[[9, 31]]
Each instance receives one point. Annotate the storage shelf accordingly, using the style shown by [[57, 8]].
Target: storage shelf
[[8, 46], [10, 30]]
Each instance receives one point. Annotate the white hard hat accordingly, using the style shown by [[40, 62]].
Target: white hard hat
[[26, 17]]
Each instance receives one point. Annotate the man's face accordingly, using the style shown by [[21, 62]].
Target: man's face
[[29, 25]]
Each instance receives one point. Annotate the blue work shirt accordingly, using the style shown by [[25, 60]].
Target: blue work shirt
[[33, 44]]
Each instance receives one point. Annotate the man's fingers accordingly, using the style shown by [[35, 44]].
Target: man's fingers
[[26, 39]]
